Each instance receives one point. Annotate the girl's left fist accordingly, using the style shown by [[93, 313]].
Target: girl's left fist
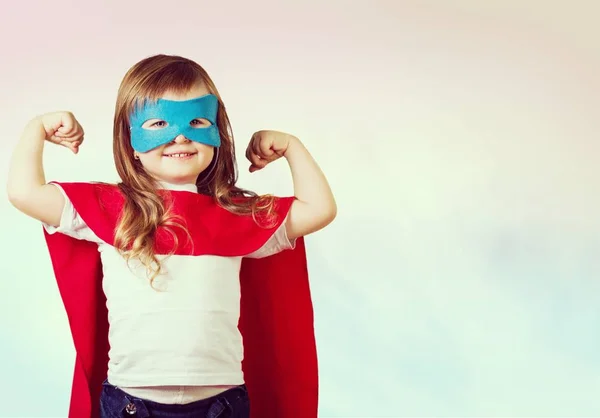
[[266, 147]]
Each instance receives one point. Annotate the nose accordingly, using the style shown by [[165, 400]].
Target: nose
[[180, 139]]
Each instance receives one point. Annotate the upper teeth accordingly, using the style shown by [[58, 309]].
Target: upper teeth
[[178, 155]]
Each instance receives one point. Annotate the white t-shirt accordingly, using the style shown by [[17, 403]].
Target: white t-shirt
[[186, 333]]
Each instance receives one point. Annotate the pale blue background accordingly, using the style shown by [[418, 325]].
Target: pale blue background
[[462, 275]]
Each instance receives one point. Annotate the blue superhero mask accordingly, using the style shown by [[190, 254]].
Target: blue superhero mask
[[178, 116]]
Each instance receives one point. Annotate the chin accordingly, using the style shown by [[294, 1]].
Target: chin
[[182, 177]]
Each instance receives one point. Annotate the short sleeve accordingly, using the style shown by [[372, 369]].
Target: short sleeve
[[278, 242], [71, 223]]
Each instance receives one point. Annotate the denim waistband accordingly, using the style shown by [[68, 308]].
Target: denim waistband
[[115, 402]]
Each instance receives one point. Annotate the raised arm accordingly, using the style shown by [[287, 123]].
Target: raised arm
[[314, 207], [26, 188]]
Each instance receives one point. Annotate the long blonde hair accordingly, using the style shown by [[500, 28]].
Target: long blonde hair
[[144, 210]]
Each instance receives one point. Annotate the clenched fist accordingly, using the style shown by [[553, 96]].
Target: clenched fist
[[266, 147], [63, 129]]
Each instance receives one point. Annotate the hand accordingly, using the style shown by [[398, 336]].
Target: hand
[[266, 147], [63, 129]]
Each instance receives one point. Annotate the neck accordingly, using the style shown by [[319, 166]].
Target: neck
[[186, 187]]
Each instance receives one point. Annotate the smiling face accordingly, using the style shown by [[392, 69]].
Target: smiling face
[[180, 161]]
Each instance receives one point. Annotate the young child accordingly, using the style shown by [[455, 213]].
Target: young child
[[152, 270]]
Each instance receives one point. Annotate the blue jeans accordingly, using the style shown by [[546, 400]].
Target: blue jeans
[[115, 403]]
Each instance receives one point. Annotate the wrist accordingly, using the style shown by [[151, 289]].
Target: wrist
[[35, 130], [293, 144]]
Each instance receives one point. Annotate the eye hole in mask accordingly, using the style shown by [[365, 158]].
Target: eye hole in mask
[[198, 123], [156, 124]]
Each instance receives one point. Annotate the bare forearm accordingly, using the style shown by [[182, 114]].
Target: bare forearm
[[315, 206], [27, 189], [26, 170]]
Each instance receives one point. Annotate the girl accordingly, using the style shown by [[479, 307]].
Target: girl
[[150, 269]]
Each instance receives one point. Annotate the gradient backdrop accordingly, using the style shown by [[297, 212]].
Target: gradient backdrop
[[462, 275]]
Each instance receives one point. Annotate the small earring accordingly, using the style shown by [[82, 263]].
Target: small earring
[[137, 157]]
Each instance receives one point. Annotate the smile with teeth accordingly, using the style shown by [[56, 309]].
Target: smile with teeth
[[180, 155]]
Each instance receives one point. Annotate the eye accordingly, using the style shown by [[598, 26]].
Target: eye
[[200, 123], [155, 124]]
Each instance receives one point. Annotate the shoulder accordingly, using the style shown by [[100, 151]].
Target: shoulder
[[98, 204], [87, 187], [266, 203], [86, 193]]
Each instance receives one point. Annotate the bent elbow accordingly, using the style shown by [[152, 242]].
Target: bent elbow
[[327, 214], [14, 197], [331, 213]]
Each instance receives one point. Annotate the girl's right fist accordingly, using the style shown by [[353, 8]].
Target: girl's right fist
[[63, 129]]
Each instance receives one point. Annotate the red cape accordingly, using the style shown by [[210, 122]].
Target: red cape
[[280, 359]]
